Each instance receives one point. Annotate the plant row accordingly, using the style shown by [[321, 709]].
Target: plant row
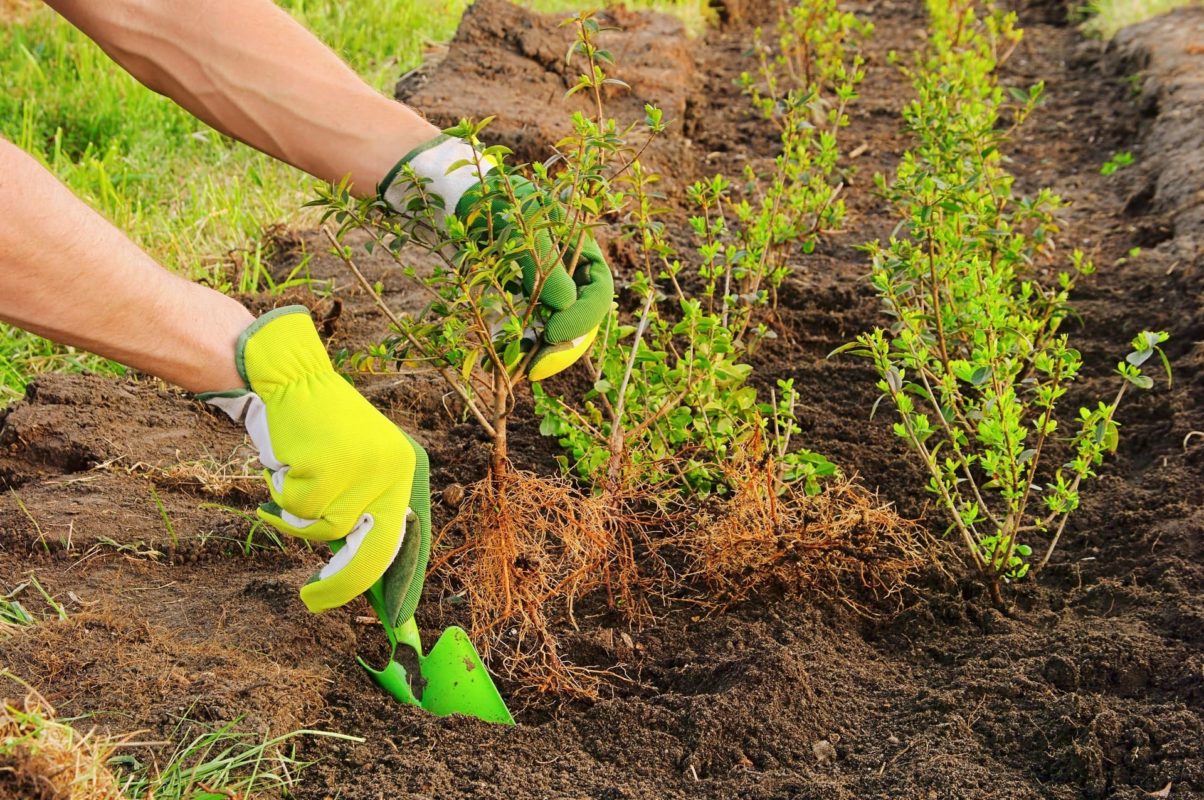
[[682, 466]]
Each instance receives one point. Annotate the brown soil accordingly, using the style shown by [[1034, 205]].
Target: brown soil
[[1091, 686]]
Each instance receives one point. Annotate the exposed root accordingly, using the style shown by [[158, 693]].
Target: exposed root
[[44, 759], [529, 549], [841, 543]]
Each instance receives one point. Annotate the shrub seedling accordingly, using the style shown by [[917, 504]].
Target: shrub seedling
[[975, 361], [692, 409], [524, 543]]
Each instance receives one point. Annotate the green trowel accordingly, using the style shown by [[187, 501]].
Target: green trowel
[[453, 678]]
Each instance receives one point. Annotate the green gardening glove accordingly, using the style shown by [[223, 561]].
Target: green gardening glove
[[578, 307], [336, 468]]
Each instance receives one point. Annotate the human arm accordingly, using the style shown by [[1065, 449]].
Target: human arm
[[337, 466], [69, 275], [250, 70]]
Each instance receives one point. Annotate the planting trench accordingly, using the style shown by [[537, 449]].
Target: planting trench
[[1091, 687]]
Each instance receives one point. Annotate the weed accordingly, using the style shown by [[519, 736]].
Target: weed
[[1116, 162], [252, 274], [974, 361], [171, 529], [32, 520], [12, 616], [13, 613], [55, 605], [257, 530]]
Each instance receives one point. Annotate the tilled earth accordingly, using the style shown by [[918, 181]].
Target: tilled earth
[[127, 500]]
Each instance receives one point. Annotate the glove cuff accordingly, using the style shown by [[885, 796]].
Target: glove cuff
[[433, 162], [298, 351]]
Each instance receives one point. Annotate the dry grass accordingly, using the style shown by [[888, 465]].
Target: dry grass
[[234, 475], [44, 759], [841, 544], [16, 10], [529, 548]]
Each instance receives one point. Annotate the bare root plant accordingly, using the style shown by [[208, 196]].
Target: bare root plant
[[976, 361], [528, 548], [841, 544]]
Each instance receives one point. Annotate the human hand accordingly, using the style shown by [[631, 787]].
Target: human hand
[[577, 304], [336, 467]]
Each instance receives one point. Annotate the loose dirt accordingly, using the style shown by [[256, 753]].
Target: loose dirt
[[124, 498]]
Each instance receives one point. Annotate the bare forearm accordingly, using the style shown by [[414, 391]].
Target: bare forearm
[[68, 275], [248, 69]]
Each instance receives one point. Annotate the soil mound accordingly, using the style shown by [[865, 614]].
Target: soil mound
[[1165, 54], [511, 62]]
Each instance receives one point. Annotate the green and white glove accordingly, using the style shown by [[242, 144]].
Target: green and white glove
[[336, 467], [577, 308]]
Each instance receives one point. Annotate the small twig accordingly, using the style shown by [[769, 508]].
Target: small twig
[[397, 322]]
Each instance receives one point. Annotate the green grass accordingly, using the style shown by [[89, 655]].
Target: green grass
[[13, 615], [1106, 17], [189, 196], [23, 355], [219, 764]]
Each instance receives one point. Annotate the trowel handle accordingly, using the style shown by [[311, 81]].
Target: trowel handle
[[406, 633]]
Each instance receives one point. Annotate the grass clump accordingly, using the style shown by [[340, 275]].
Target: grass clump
[[42, 758], [1106, 17], [218, 764], [13, 616]]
